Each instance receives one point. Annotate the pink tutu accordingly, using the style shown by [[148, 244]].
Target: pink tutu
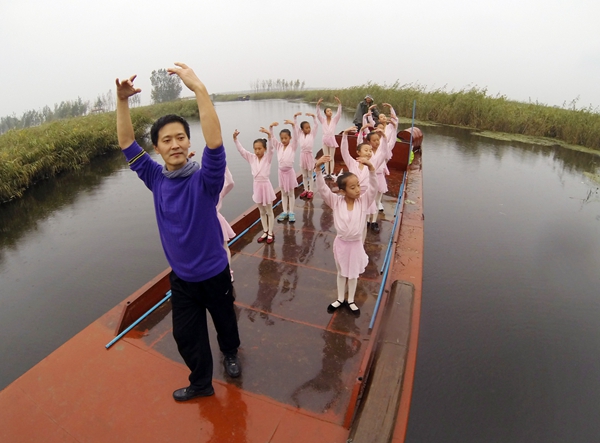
[[307, 161], [228, 233], [372, 209], [287, 179], [329, 140], [263, 193], [382, 183], [350, 257]]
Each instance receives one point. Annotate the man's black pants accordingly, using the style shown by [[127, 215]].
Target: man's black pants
[[189, 301]]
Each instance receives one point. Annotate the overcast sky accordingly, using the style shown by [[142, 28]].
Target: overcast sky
[[546, 51]]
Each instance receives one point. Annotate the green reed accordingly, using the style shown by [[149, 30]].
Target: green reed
[[33, 154], [473, 108]]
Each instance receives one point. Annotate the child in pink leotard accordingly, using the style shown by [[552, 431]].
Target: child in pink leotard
[[228, 233], [286, 154], [378, 142], [349, 213], [305, 136], [328, 123], [362, 150], [390, 127], [263, 193]]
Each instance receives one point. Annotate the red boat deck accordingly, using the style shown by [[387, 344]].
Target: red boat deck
[[300, 364]]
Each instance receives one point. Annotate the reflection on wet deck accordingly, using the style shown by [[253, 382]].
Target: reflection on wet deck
[[292, 350]]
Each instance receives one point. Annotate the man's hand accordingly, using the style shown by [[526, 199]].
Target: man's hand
[[125, 88], [187, 76]]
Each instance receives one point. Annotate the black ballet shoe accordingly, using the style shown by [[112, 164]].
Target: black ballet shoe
[[354, 309], [333, 306]]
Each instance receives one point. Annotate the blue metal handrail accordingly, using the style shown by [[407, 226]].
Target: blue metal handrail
[[168, 294], [387, 260]]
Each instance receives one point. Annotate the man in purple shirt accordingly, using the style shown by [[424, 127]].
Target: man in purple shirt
[[185, 199]]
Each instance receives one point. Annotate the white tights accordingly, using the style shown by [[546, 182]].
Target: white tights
[[266, 218], [378, 199], [341, 286], [330, 166], [288, 200], [307, 177]]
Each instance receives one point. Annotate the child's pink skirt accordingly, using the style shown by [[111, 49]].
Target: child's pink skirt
[[350, 257], [307, 161], [228, 233], [287, 179], [372, 209], [329, 140], [263, 192], [381, 182]]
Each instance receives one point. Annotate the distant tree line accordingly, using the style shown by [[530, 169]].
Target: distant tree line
[[164, 88], [66, 109], [276, 85]]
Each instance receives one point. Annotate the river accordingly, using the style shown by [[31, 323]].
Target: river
[[509, 339]]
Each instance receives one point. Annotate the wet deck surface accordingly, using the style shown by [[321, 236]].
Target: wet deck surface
[[292, 350], [299, 362]]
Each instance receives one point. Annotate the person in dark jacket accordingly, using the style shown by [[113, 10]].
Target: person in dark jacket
[[362, 109]]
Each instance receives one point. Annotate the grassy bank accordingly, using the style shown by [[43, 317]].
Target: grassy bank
[[472, 108], [33, 154]]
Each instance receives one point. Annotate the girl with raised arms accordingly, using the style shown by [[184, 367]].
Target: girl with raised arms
[[286, 154], [349, 208], [305, 136], [328, 123], [363, 151], [263, 193]]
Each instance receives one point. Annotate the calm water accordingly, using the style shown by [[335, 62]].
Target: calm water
[[510, 333]]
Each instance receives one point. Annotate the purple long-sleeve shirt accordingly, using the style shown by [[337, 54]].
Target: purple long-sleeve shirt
[[186, 214]]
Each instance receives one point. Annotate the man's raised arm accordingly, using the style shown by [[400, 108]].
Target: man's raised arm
[[125, 133], [211, 127]]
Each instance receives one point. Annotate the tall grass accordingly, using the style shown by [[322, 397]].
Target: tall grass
[[473, 108], [33, 154]]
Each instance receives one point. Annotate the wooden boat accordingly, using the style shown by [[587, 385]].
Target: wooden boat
[[308, 376]]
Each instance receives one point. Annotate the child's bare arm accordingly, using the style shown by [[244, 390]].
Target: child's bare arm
[[366, 162], [321, 161]]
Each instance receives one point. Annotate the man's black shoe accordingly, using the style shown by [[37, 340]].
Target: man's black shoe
[[190, 392], [232, 366]]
